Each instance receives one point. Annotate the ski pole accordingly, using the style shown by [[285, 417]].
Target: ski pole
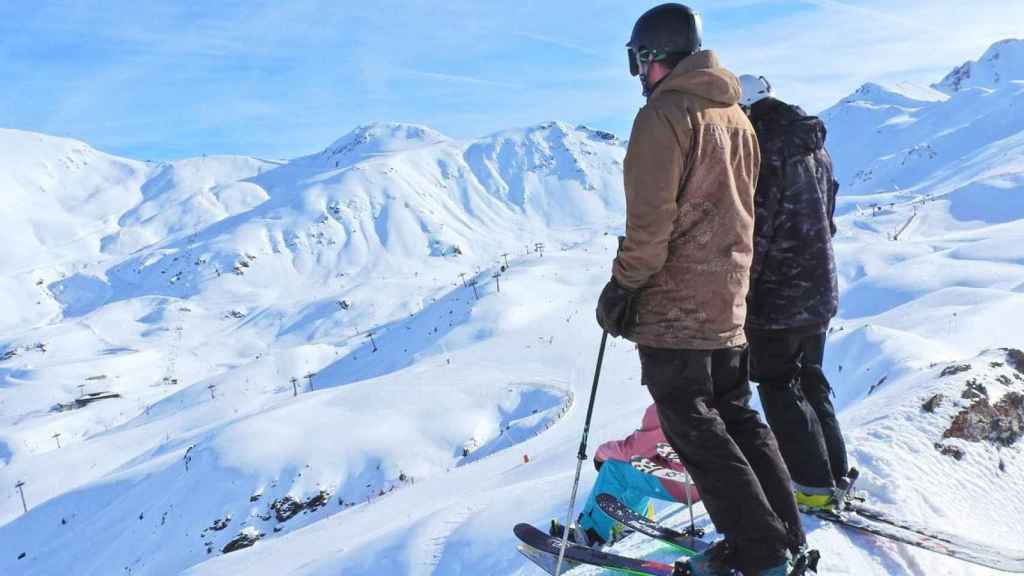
[[581, 456], [689, 503]]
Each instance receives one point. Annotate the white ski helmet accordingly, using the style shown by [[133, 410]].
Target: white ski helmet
[[754, 89]]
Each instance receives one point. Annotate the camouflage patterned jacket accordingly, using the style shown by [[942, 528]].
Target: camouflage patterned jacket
[[793, 276]]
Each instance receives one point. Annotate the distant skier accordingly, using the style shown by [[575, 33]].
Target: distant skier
[[793, 291], [679, 285], [618, 477]]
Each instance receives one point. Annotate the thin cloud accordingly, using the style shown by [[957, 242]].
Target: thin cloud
[[455, 78], [890, 15], [559, 43]]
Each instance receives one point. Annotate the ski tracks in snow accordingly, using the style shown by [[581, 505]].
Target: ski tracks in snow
[[433, 537]]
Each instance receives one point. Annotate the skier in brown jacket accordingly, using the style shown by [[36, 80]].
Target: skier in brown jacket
[[679, 289]]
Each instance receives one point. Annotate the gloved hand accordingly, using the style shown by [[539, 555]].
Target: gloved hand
[[616, 308]]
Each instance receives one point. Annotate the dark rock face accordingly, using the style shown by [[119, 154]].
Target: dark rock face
[[951, 451], [954, 369], [974, 391], [1015, 358], [318, 501], [244, 540], [932, 403], [1001, 424], [286, 508]]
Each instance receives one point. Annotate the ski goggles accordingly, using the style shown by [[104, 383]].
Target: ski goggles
[[640, 59]]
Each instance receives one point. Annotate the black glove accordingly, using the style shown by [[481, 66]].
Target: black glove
[[616, 309]]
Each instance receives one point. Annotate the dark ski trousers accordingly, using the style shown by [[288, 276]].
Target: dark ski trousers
[[795, 395], [703, 400]]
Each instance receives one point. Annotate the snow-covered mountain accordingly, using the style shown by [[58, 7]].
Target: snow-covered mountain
[[963, 131], [181, 278], [375, 359], [72, 211], [1002, 63]]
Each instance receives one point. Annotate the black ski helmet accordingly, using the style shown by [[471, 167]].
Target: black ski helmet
[[661, 32]]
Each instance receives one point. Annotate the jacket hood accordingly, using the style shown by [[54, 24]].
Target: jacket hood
[[701, 75], [799, 131], [807, 134]]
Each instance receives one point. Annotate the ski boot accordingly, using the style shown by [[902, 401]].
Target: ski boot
[[715, 562], [588, 538], [816, 503], [831, 501], [711, 562], [803, 564], [806, 563]]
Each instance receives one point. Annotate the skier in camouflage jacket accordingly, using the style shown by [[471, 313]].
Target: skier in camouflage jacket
[[793, 290]]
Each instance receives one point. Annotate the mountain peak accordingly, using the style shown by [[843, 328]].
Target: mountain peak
[[556, 131], [23, 142], [868, 91], [1001, 63], [380, 138], [903, 95]]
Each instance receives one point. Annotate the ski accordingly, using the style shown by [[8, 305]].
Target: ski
[[648, 466], [807, 564], [540, 541], [535, 544], [960, 549], [863, 518], [685, 542], [667, 452], [1015, 557], [544, 560]]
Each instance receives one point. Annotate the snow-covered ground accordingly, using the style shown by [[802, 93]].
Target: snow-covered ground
[[376, 359]]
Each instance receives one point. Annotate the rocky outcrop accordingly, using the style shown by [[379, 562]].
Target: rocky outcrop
[[932, 403], [245, 539], [286, 508], [1001, 424]]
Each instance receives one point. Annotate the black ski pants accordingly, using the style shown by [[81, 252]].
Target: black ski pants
[[703, 400], [795, 395]]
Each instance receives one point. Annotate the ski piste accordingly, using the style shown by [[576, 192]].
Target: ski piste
[[619, 512], [948, 545], [541, 542]]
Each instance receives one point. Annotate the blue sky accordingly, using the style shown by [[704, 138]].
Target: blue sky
[[162, 80]]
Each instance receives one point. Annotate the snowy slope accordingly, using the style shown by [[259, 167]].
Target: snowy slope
[[364, 360], [905, 141], [72, 210], [1000, 64], [287, 270]]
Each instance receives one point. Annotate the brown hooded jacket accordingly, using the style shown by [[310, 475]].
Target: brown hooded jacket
[[690, 174]]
